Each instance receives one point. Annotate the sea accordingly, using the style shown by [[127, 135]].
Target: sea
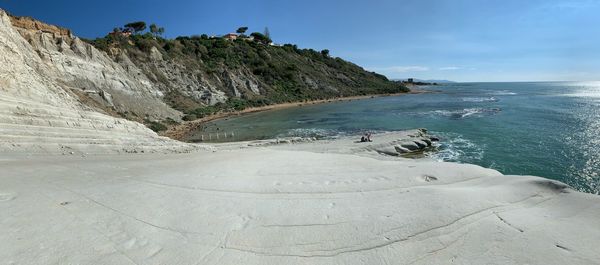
[[548, 129]]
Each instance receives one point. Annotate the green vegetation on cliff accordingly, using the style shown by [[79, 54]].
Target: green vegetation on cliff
[[249, 70]]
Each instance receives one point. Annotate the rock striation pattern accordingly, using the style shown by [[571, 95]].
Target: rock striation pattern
[[40, 113], [32, 24], [417, 141], [91, 74]]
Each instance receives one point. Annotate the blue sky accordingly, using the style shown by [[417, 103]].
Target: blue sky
[[483, 40]]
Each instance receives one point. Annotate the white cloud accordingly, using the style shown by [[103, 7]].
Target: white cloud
[[449, 68]]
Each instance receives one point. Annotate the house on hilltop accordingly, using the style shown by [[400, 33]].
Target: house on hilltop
[[230, 36], [124, 33]]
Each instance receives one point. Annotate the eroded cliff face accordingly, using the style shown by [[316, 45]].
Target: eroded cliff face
[[40, 111], [112, 83], [32, 24], [92, 75], [190, 81], [175, 78]]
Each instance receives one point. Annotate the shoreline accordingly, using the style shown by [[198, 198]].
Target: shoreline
[[178, 132]]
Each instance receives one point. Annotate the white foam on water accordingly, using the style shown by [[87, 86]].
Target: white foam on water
[[456, 148], [464, 113], [480, 99], [503, 93], [303, 121]]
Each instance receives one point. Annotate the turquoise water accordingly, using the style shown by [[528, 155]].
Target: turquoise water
[[544, 129]]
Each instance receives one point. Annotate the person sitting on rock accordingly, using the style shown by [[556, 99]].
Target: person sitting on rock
[[363, 139]]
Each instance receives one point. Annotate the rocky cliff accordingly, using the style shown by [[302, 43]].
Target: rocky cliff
[[92, 75], [45, 76], [196, 72], [156, 81]]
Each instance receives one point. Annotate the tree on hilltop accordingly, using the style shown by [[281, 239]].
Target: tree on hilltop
[[267, 33], [325, 52], [155, 30], [241, 30], [260, 38], [136, 27]]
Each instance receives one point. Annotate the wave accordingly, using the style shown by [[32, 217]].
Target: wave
[[464, 113], [307, 121], [503, 93], [484, 99], [455, 148]]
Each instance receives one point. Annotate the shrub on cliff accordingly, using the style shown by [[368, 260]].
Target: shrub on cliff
[[282, 73], [145, 44], [156, 126]]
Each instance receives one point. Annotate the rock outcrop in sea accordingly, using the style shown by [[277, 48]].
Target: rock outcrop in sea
[[418, 141]]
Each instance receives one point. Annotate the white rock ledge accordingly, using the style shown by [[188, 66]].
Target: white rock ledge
[[265, 205]]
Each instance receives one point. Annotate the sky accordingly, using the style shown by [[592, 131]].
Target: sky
[[459, 40]]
